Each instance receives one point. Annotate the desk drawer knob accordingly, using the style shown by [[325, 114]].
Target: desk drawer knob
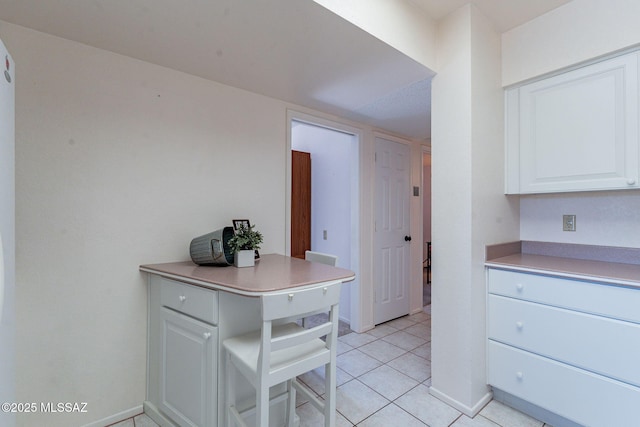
[[182, 298], [519, 287], [206, 335], [519, 375], [519, 325]]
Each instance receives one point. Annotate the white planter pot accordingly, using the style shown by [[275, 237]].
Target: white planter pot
[[244, 258]]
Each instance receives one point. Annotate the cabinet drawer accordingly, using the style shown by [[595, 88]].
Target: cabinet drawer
[[193, 301], [577, 395], [617, 302], [606, 346]]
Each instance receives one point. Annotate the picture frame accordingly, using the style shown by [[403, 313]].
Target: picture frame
[[241, 222]]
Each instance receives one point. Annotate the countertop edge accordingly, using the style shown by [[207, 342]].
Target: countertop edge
[[240, 283], [506, 256]]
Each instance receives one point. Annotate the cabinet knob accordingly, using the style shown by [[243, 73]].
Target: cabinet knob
[[182, 298], [519, 287], [631, 181], [206, 335], [519, 325], [519, 375]]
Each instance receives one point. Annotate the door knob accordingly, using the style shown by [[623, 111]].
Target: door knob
[[407, 238]]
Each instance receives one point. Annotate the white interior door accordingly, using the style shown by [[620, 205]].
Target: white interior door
[[392, 233]]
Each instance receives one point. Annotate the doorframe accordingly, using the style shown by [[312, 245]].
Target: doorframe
[[424, 149], [356, 296]]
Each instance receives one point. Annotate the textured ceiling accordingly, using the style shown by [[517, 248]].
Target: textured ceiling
[[296, 51]]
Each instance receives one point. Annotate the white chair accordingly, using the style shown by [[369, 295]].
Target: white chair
[[278, 353], [321, 258]]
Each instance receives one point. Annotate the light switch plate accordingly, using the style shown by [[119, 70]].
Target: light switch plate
[[568, 223]]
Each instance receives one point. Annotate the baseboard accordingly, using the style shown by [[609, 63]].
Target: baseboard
[[532, 410], [469, 411], [116, 418]]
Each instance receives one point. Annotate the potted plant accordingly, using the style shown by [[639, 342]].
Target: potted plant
[[244, 244]]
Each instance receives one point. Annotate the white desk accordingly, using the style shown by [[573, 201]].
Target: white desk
[[192, 309]]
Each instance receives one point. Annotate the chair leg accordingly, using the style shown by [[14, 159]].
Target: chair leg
[[262, 406], [330, 395], [291, 405], [231, 392]]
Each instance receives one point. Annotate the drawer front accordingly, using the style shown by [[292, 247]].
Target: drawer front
[[577, 395], [191, 300], [617, 302], [606, 346]]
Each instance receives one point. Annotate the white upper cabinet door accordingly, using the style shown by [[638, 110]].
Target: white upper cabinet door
[[576, 131]]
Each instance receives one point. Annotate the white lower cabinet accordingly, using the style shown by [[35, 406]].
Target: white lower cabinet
[[574, 357], [188, 369], [182, 384]]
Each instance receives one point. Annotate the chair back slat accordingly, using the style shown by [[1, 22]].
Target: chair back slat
[[301, 337], [296, 303], [321, 258]]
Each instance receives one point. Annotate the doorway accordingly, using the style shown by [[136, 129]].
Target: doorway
[[333, 152]]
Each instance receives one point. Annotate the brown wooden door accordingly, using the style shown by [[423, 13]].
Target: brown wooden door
[[300, 203]]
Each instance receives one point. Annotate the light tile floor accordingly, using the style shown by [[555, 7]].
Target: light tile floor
[[383, 380]]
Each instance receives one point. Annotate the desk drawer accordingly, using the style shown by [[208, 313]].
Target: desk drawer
[[617, 302], [191, 300], [606, 346], [573, 393]]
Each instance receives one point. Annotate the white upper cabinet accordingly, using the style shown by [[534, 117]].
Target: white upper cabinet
[[575, 131]]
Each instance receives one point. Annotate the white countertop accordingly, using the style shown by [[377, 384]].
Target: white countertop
[[273, 272], [586, 269]]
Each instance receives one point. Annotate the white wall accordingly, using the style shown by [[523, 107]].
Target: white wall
[[120, 163], [469, 209], [578, 31], [331, 194], [610, 218]]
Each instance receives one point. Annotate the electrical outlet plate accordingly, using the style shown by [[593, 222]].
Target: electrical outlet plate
[[568, 223]]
